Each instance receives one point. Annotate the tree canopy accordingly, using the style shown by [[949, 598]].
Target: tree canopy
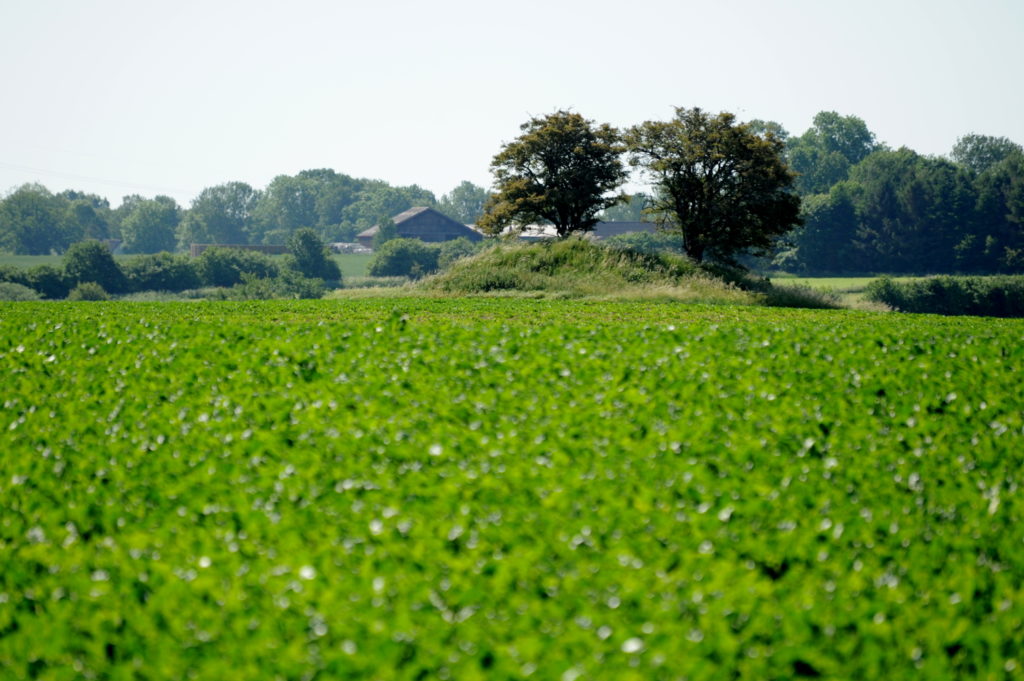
[[723, 187], [562, 170]]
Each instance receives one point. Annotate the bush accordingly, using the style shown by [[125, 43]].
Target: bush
[[91, 261], [88, 290], [12, 274], [225, 266], [289, 284], [999, 296], [161, 272], [647, 242], [49, 281], [450, 251], [404, 258], [311, 258], [11, 291], [46, 280]]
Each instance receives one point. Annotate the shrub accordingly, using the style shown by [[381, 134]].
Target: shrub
[[225, 266], [647, 242], [289, 284], [404, 258], [161, 272], [12, 274], [998, 296], [91, 261], [49, 281], [450, 251], [311, 258], [11, 291], [88, 290]]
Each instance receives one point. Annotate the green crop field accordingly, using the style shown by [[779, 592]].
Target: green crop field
[[499, 488]]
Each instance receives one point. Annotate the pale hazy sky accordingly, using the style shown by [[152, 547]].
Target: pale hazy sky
[[151, 96]]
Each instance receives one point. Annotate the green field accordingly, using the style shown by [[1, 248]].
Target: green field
[[470, 489], [849, 290], [26, 261]]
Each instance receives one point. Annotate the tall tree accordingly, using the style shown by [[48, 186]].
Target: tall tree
[[222, 214], [913, 210], [562, 170], [310, 256], [32, 221], [465, 203], [998, 242], [630, 210], [150, 226], [827, 241], [722, 187], [978, 153], [91, 261], [824, 154]]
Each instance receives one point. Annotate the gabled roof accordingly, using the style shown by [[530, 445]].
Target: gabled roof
[[408, 215]]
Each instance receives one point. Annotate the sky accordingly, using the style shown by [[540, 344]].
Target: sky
[[119, 97]]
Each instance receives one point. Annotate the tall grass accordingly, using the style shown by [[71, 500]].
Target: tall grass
[[581, 268]]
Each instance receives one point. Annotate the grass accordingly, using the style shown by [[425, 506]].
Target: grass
[[848, 291], [578, 268]]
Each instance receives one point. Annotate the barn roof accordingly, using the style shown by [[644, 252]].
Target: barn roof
[[407, 215]]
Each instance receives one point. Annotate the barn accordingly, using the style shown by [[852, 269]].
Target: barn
[[425, 224]]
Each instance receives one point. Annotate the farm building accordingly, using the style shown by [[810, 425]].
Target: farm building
[[602, 230], [195, 250], [425, 224]]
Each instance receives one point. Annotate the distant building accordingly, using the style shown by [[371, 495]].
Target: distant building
[[425, 224], [196, 249], [348, 247], [602, 230]]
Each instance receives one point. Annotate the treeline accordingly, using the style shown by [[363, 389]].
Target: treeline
[[869, 208], [35, 221], [89, 271]]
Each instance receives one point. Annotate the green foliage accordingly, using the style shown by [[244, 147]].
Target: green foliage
[[455, 249], [150, 224], [386, 231], [630, 210], [506, 488], [404, 258], [660, 241], [311, 258], [578, 267], [49, 281], [91, 261], [560, 171], [225, 266], [32, 222], [1000, 296], [465, 203], [978, 153], [161, 272], [287, 285], [725, 189], [223, 214], [824, 154], [12, 291], [88, 290]]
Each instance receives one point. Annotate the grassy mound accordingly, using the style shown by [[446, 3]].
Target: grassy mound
[[581, 268]]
